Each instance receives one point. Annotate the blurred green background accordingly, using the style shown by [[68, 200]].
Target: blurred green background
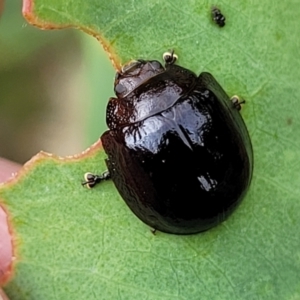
[[54, 86]]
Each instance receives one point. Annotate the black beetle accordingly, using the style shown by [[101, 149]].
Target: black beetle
[[178, 150], [217, 16]]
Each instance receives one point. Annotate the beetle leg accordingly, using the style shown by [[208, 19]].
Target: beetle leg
[[92, 179], [170, 57], [153, 231], [236, 102]]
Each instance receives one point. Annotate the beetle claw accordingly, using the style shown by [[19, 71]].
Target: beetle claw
[[170, 57], [153, 231], [236, 102], [92, 179]]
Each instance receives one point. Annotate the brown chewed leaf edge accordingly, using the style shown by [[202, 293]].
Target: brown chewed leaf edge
[[9, 206], [71, 241], [32, 18], [1, 6]]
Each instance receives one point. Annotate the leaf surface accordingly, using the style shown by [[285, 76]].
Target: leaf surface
[[72, 242]]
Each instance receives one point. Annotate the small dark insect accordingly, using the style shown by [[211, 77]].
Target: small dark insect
[[178, 150], [217, 16]]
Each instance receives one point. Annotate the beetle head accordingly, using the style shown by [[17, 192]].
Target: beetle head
[[134, 74]]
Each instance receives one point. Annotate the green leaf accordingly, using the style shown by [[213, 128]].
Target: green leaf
[[77, 243]]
